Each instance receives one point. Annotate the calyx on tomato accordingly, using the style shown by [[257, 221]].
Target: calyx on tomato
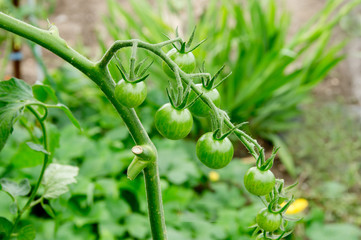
[[208, 88], [173, 120], [182, 55], [279, 193], [131, 91], [263, 164], [270, 219]]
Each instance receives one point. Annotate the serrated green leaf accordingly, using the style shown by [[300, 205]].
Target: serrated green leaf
[[56, 178], [14, 189], [14, 95], [27, 233], [15, 90], [37, 147]]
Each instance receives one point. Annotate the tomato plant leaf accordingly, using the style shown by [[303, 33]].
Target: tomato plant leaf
[[56, 178], [37, 147], [15, 189], [5, 227], [13, 208], [27, 233], [69, 114], [14, 95], [44, 93], [25, 157], [48, 209]]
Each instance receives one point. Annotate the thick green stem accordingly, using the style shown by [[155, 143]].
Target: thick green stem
[[155, 203]]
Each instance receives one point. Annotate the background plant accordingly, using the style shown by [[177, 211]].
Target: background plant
[[330, 159], [271, 76]]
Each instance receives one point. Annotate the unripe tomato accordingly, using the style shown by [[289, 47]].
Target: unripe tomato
[[268, 221], [173, 123], [130, 94], [199, 108], [259, 182], [185, 61], [214, 153]]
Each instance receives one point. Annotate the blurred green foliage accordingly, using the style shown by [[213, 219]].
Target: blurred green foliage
[[328, 144], [272, 73]]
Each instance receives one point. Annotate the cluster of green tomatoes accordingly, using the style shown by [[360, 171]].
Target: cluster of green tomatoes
[[174, 121]]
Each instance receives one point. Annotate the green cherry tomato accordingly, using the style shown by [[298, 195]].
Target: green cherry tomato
[[186, 62], [199, 108], [173, 123], [268, 221], [259, 182], [214, 153], [130, 94]]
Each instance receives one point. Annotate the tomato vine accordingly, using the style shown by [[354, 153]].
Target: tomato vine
[[145, 152]]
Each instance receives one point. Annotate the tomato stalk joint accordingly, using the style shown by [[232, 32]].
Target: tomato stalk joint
[[144, 155]]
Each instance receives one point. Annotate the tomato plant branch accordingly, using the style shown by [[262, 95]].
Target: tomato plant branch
[[99, 73], [251, 144]]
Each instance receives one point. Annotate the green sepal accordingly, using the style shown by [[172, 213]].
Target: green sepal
[[256, 230], [146, 69], [291, 186], [182, 97], [121, 69], [285, 217], [185, 47], [209, 84], [260, 159], [267, 165], [138, 77], [277, 236], [280, 183], [139, 65], [284, 208], [223, 136], [190, 40]]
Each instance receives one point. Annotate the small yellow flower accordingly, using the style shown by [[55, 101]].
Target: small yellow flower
[[213, 176], [297, 206]]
